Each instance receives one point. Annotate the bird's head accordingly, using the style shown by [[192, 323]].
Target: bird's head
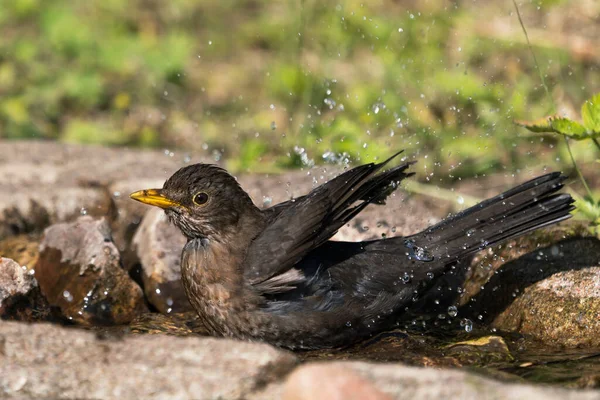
[[202, 200]]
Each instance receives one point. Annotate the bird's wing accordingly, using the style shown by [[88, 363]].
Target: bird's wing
[[311, 220]]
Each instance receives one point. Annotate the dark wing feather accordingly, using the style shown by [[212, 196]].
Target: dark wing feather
[[306, 223]]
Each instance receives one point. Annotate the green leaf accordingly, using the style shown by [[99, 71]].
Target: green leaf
[[539, 125], [590, 113], [568, 127], [588, 208], [556, 124]]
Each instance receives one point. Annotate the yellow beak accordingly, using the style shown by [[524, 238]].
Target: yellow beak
[[154, 197]]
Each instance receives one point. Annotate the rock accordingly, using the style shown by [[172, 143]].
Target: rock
[[80, 272], [552, 293], [488, 262], [334, 382], [29, 210], [562, 310], [158, 245], [14, 280], [45, 361], [20, 298], [47, 182], [129, 215], [398, 381]]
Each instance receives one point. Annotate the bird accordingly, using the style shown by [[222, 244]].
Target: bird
[[274, 274]]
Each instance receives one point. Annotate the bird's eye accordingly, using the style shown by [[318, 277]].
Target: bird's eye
[[200, 198]]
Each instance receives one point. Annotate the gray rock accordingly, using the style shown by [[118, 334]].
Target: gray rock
[[79, 270], [158, 244], [14, 281], [20, 297], [28, 210], [403, 382], [128, 215], [46, 182], [332, 382], [46, 361]]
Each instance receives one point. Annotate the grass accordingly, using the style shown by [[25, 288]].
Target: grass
[[284, 84]]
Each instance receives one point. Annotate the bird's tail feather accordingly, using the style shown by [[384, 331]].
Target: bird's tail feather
[[527, 207]]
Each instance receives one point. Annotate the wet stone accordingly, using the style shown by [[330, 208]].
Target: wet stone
[[79, 271], [158, 245], [563, 310], [551, 293]]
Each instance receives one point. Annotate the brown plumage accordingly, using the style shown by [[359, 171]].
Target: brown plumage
[[274, 275]]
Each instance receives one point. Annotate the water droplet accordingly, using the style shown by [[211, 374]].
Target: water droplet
[[83, 211], [417, 252], [273, 125], [68, 296], [329, 102], [460, 200], [267, 201], [157, 291], [400, 30], [348, 323], [452, 311], [406, 278], [467, 324]]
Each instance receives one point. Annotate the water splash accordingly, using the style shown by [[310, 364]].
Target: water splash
[[417, 252]]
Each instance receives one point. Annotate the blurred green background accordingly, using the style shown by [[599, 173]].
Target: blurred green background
[[267, 85]]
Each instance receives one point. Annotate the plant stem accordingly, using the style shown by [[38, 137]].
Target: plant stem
[[535, 61], [596, 142], [537, 66], [587, 188]]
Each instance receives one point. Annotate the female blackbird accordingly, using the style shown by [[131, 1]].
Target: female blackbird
[[274, 275]]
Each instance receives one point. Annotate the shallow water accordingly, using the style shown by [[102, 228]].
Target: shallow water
[[508, 357]]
